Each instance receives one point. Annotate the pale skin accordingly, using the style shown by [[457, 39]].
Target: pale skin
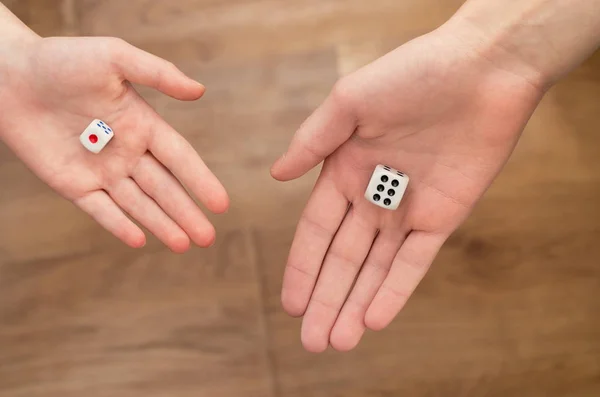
[[52, 88], [447, 109]]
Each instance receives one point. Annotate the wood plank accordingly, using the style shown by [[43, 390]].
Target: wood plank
[[509, 307], [253, 29], [145, 323], [45, 17]]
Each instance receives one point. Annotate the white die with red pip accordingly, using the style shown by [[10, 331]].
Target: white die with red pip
[[96, 136]]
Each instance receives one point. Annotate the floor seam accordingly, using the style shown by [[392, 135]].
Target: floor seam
[[264, 313]]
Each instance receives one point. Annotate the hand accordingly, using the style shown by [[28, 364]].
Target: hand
[[53, 88], [435, 109]]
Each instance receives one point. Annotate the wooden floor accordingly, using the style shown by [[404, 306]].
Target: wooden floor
[[510, 308]]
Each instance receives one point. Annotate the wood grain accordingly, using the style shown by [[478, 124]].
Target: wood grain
[[509, 307], [111, 323]]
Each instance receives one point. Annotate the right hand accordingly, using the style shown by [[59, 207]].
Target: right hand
[[435, 109]]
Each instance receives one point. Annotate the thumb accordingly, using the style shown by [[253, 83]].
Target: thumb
[[328, 128], [141, 67]]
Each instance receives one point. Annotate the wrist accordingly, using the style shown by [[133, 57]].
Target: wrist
[[16, 40], [538, 40], [13, 31]]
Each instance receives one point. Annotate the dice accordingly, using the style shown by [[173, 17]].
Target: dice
[[386, 187], [96, 136]]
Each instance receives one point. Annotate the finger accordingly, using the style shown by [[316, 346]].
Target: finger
[[318, 224], [350, 324], [408, 269], [324, 131], [176, 153], [170, 195], [103, 210], [141, 67], [342, 263], [134, 201]]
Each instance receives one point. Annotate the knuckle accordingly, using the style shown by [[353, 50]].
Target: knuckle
[[171, 66], [118, 41], [398, 294], [106, 179], [343, 93], [117, 50], [360, 305], [316, 226], [163, 72], [116, 46], [325, 304], [411, 262], [377, 266], [313, 149], [345, 261], [302, 270]]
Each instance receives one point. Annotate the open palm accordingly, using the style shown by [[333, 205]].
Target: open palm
[[447, 117], [70, 82]]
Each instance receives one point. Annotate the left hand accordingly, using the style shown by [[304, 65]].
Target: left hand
[[52, 88]]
